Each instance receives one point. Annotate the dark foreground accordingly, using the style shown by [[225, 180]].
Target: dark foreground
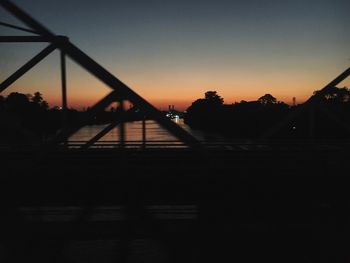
[[259, 205]]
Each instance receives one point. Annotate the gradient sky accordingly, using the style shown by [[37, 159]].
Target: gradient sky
[[171, 52]]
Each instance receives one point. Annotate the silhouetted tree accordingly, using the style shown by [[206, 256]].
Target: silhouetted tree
[[335, 95], [204, 112], [213, 97], [37, 98], [17, 102], [44, 105], [267, 99], [240, 120]]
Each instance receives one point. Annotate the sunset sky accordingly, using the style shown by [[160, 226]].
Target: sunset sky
[[171, 52]]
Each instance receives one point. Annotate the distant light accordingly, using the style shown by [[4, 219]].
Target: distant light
[[294, 128]]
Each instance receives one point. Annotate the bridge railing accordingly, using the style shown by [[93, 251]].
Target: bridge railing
[[234, 145]]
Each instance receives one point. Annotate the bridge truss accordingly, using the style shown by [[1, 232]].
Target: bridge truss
[[120, 93]]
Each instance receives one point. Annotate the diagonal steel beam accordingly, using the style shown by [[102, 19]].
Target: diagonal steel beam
[[17, 27], [98, 107], [26, 67], [25, 18], [104, 102], [22, 39], [102, 133], [101, 73], [337, 80], [310, 102]]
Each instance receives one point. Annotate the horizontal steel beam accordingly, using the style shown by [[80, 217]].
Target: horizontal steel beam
[[22, 39], [26, 39]]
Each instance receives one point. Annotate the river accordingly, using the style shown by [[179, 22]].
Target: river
[[133, 133]]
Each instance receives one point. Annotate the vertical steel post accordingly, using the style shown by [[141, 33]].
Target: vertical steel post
[[64, 91], [122, 124], [144, 132]]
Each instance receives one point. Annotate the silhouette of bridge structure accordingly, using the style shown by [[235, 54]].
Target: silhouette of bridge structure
[[241, 203], [120, 93]]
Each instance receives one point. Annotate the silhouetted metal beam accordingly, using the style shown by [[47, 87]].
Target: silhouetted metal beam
[[17, 27], [101, 73], [104, 103], [122, 124], [105, 131], [63, 81], [144, 132], [311, 101], [26, 67], [101, 134], [110, 80], [338, 79], [22, 39], [98, 107], [64, 90]]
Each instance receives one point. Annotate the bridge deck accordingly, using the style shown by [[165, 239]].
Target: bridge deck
[[176, 205]]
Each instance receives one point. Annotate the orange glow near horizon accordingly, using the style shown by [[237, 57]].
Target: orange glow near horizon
[[179, 87], [182, 98], [86, 91]]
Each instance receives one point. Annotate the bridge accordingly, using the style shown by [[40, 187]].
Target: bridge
[[95, 202]]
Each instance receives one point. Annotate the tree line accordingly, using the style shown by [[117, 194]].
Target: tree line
[[28, 118], [326, 119]]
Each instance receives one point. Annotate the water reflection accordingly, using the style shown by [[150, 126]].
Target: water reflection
[[155, 134]]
